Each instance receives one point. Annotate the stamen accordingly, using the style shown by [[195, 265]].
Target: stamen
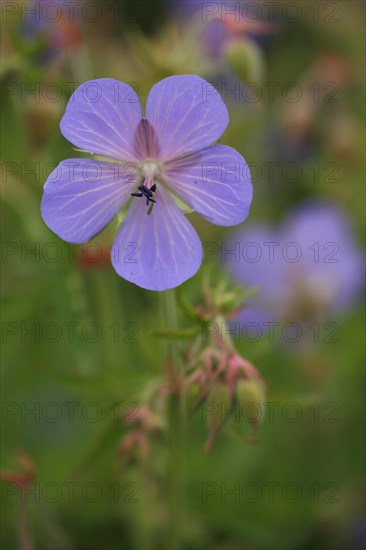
[[149, 170], [148, 193]]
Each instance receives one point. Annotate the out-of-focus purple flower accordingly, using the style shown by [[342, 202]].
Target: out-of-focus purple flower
[[309, 267], [224, 23], [54, 22], [167, 153]]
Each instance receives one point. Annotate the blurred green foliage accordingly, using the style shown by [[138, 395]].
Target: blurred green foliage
[[322, 453]]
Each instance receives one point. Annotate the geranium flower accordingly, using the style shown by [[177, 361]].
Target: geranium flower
[[223, 24], [308, 269], [166, 153], [55, 26]]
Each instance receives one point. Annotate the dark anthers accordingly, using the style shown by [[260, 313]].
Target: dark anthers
[[146, 192]]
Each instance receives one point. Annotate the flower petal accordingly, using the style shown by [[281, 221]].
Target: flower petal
[[146, 141], [330, 256], [102, 117], [81, 196], [215, 182], [187, 114], [158, 251]]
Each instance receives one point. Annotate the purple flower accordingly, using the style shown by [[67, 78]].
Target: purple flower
[[223, 23], [159, 157], [55, 24], [309, 267]]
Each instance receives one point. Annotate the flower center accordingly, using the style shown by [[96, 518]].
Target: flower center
[[149, 170]]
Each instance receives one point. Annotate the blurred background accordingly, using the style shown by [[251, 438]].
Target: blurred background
[[84, 462]]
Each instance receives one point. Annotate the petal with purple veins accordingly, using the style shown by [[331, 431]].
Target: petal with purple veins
[[156, 251], [187, 113], [81, 196], [102, 117], [146, 143], [215, 182]]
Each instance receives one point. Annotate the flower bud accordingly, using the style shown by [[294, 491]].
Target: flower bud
[[250, 394], [219, 401], [245, 59], [217, 404], [192, 395]]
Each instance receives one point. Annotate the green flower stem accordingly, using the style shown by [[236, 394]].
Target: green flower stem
[[106, 313], [175, 414], [25, 536]]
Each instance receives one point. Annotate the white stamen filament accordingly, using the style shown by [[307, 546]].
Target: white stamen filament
[[149, 170]]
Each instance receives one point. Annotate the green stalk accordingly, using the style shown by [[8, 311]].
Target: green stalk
[[106, 314], [176, 428]]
